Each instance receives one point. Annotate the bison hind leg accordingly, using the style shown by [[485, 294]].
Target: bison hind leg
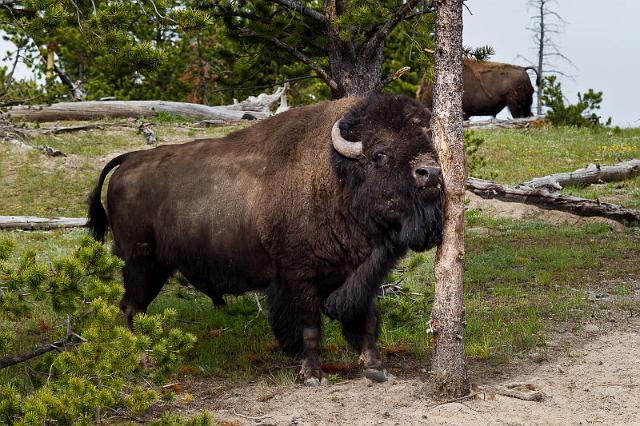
[[285, 322], [143, 280]]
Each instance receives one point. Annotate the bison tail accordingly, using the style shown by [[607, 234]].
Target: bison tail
[[98, 222], [535, 70]]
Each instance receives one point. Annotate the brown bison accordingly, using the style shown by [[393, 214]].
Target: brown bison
[[488, 88], [314, 205]]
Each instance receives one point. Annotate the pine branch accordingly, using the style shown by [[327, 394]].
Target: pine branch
[[295, 53], [307, 11], [379, 36], [57, 345]]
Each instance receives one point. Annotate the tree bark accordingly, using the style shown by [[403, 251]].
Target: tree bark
[[593, 173], [449, 373], [542, 198], [540, 58]]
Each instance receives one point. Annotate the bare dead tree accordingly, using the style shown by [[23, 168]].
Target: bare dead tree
[[448, 367], [546, 24]]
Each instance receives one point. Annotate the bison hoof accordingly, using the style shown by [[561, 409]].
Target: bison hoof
[[376, 375], [314, 382]]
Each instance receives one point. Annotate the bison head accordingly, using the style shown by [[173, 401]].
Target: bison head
[[384, 155]]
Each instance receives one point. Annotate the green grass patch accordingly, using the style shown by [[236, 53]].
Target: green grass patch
[[516, 156]]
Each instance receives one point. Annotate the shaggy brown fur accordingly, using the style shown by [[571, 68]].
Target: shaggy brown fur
[[274, 207], [488, 88]]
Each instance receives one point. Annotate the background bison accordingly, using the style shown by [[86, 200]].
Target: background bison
[[314, 206], [488, 88]]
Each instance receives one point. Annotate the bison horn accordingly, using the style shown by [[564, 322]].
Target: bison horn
[[343, 146]]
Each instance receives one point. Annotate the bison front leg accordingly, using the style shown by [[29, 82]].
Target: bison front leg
[[296, 323], [362, 335]]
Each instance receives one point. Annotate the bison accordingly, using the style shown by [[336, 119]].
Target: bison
[[488, 88], [314, 206]]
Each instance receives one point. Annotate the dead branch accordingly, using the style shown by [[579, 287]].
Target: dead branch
[[523, 391], [394, 76], [148, 134], [542, 198], [68, 129], [261, 103], [451, 401], [76, 90], [57, 345], [50, 151], [592, 173], [244, 416], [31, 223]]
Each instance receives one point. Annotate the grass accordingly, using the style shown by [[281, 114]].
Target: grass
[[516, 156], [522, 277]]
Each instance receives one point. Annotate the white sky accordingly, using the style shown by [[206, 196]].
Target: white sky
[[600, 38]]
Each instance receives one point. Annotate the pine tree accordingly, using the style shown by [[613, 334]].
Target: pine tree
[[98, 366]]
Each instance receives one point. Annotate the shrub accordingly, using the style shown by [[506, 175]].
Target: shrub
[[582, 114], [99, 374], [475, 161]]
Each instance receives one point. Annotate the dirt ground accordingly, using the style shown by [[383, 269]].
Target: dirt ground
[[592, 376]]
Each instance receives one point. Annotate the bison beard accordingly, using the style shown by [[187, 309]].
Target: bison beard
[[316, 217]]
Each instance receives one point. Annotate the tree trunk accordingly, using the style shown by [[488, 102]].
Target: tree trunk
[[356, 69], [541, 41], [448, 368], [356, 72]]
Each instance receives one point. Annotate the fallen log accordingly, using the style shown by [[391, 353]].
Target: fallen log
[[32, 223], [514, 123], [253, 108], [541, 197], [68, 129], [94, 110], [593, 173]]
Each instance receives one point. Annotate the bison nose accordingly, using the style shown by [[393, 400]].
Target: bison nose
[[426, 176]]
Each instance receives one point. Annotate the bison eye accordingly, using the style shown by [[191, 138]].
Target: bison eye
[[380, 158]]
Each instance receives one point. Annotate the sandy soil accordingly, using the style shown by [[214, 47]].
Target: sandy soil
[[593, 377]]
